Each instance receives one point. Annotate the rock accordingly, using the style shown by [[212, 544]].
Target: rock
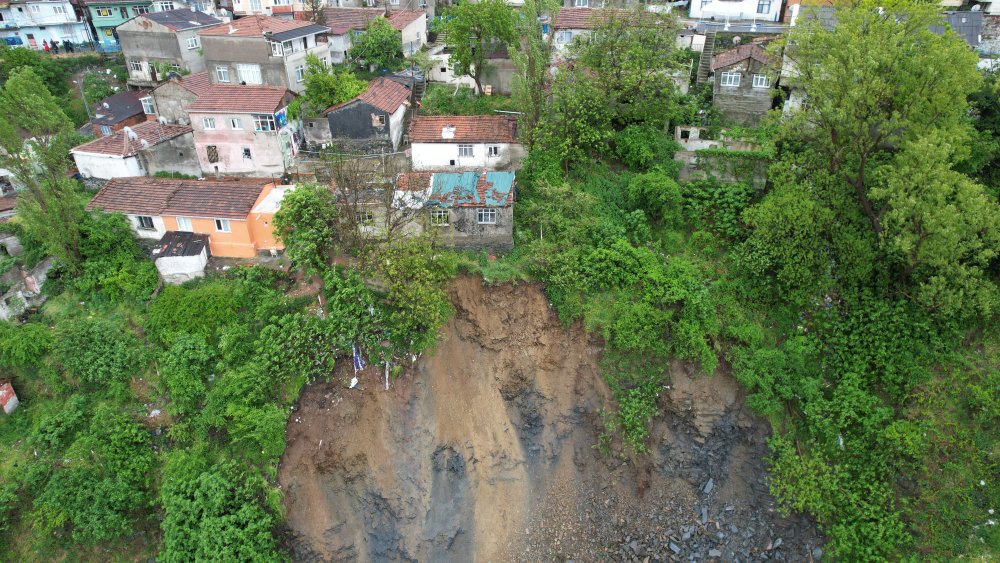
[[709, 486], [733, 528], [686, 536], [714, 553], [704, 515], [634, 546], [777, 544], [675, 548], [818, 553]]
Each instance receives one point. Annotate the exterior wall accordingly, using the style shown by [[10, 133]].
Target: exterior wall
[[353, 122], [499, 74], [464, 232], [428, 6], [760, 10], [54, 21], [176, 155], [171, 101], [295, 59], [695, 42], [265, 147], [579, 3], [156, 45], [156, 233], [105, 25], [430, 156], [228, 51], [317, 131], [561, 42], [262, 232], [743, 104], [414, 36], [396, 126], [179, 269], [339, 45], [235, 244], [106, 166]]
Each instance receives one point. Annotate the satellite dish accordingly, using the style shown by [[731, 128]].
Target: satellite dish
[[162, 120], [131, 134], [144, 143]]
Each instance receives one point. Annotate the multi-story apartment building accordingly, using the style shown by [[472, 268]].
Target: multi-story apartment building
[[263, 51], [733, 10], [157, 43], [35, 22]]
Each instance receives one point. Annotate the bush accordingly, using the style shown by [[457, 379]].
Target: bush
[[99, 352], [641, 147], [183, 369], [200, 310], [24, 346], [113, 264]]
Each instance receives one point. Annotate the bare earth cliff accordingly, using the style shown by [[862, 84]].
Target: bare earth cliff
[[484, 451]]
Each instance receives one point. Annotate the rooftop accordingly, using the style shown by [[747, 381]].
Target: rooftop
[[197, 83], [119, 107], [179, 20], [463, 128], [589, 18], [140, 195], [243, 99], [180, 243], [741, 53], [257, 26], [461, 189], [343, 20], [120, 143], [382, 93]]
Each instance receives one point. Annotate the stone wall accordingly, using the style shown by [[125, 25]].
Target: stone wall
[[176, 155]]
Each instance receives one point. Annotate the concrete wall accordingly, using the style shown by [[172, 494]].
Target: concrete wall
[[414, 36], [353, 122], [499, 74], [228, 51], [171, 101], [176, 155], [464, 232], [735, 10], [316, 131], [430, 156], [149, 43], [339, 45], [743, 104], [134, 120], [156, 233], [265, 151], [179, 269], [396, 126], [296, 59], [237, 243], [105, 166]]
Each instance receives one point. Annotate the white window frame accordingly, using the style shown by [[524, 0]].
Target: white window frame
[[277, 49], [135, 65], [300, 73], [184, 224], [581, 4], [262, 122], [223, 226], [59, 9], [440, 218], [236, 123], [140, 10], [761, 81], [486, 216], [34, 8], [365, 218], [141, 220], [763, 6], [208, 123], [103, 11], [249, 73], [492, 151], [222, 74], [730, 79], [466, 151], [148, 106], [564, 37], [193, 42], [255, 6], [164, 5]]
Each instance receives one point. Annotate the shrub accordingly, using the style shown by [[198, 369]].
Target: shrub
[[99, 352]]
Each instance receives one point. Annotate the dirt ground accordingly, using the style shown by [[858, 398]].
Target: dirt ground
[[484, 450]]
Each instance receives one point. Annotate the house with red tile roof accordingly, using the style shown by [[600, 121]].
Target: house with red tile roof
[[440, 142], [172, 98], [572, 22], [263, 51], [236, 215], [744, 82], [140, 150], [372, 121], [120, 110], [347, 23], [157, 43]]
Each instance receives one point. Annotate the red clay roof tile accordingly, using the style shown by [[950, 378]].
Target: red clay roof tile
[[468, 129], [244, 99], [384, 94], [225, 199], [255, 26], [121, 144]]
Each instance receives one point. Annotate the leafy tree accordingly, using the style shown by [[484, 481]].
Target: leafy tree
[[533, 60], [380, 46], [316, 11], [199, 311], [99, 352], [306, 226], [114, 266], [474, 31], [328, 86], [24, 346], [184, 368]]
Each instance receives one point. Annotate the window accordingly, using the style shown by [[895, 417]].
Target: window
[[145, 222], [139, 10], [464, 150], [440, 217], [281, 3], [249, 73], [103, 12], [486, 216], [263, 122], [109, 32], [208, 123], [164, 6], [105, 130], [184, 224], [730, 79], [213, 154], [564, 36], [394, 2], [763, 6], [761, 81], [276, 49], [365, 218], [444, 69], [236, 123], [222, 73], [193, 42], [34, 8], [325, 61], [222, 225], [300, 73], [148, 106], [582, 3], [255, 5], [135, 65], [124, 13], [59, 9], [175, 66], [246, 153], [378, 120], [493, 151]]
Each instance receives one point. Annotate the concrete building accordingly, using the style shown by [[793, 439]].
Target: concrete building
[[222, 210], [575, 22], [736, 10], [470, 210], [172, 98], [498, 77], [744, 83], [429, 7], [244, 130], [464, 141], [120, 110], [31, 23], [346, 23], [158, 43], [145, 149], [107, 15], [263, 51], [372, 122], [181, 256]]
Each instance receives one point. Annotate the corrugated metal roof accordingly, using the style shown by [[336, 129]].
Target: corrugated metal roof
[[471, 189]]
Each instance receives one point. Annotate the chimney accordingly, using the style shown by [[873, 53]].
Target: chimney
[[448, 132]]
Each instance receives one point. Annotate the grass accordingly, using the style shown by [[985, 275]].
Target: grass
[[441, 99], [493, 269]]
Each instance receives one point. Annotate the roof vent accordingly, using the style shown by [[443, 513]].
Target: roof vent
[[131, 134], [448, 132]]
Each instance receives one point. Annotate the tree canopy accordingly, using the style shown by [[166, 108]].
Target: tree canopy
[[476, 30], [380, 46]]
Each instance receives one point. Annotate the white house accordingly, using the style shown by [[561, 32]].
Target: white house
[[139, 150], [347, 23], [37, 21], [464, 141], [731, 10]]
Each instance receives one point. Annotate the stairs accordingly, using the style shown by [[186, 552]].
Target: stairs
[[705, 63], [419, 87]]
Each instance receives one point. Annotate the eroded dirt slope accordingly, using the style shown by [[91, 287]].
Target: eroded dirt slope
[[484, 451]]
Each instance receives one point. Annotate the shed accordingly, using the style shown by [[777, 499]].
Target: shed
[[181, 256]]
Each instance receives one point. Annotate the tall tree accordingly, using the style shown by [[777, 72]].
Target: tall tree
[[316, 10], [35, 138], [380, 46], [306, 225], [475, 31], [327, 86], [533, 61]]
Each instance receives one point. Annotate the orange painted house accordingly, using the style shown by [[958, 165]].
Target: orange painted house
[[235, 214]]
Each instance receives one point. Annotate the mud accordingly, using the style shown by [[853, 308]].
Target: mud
[[484, 450]]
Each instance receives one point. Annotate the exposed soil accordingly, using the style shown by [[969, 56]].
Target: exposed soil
[[484, 451]]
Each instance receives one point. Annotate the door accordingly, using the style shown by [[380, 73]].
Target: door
[[31, 41], [124, 12]]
